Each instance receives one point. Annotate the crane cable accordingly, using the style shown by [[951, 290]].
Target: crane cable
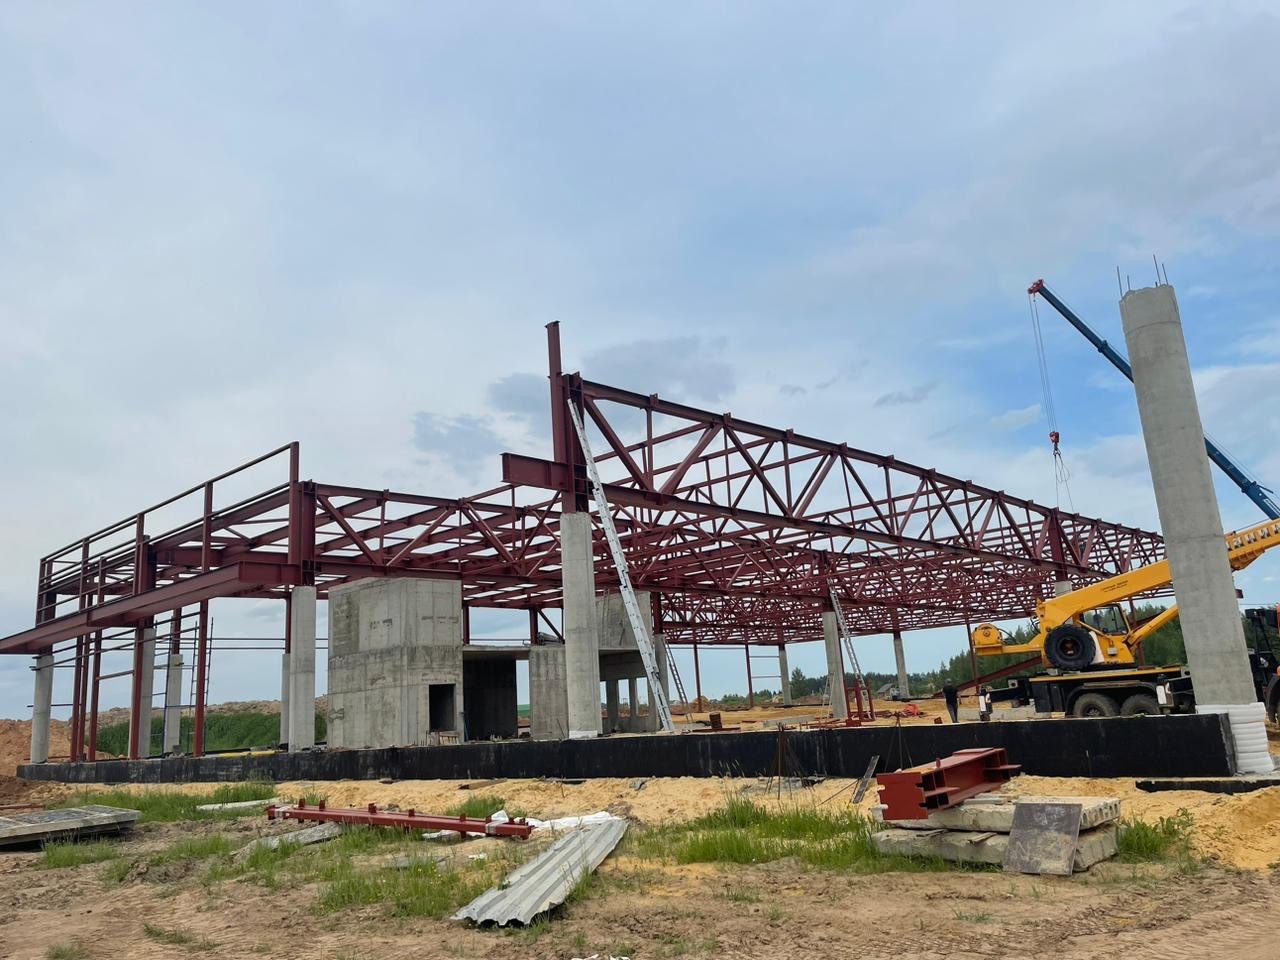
[[1061, 475]]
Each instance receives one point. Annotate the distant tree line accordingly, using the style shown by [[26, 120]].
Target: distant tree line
[[1162, 648]]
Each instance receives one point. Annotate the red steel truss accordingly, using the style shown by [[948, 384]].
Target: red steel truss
[[741, 529]]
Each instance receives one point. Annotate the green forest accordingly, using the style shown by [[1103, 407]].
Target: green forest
[[1162, 648]]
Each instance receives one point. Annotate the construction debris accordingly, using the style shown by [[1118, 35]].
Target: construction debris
[[913, 793], [546, 880], [1040, 835], [42, 826], [237, 805], [300, 838]]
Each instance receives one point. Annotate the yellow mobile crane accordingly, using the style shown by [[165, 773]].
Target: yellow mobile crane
[[1085, 632]]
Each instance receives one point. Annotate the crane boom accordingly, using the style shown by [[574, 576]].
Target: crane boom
[[1248, 485], [1068, 640]]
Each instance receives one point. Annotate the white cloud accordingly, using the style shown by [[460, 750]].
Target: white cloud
[[1016, 419]]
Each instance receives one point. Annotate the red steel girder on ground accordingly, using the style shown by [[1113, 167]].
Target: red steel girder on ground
[[915, 793], [401, 819]]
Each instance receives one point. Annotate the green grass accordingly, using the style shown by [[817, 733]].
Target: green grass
[[422, 890], [194, 848], [480, 806], [66, 951], [742, 832], [116, 871], [1168, 839], [170, 805], [222, 731], [177, 937], [69, 853]]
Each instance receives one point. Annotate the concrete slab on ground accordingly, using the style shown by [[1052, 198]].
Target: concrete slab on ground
[[961, 846], [41, 826], [995, 813]]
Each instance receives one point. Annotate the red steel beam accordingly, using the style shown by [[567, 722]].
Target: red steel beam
[[404, 820]]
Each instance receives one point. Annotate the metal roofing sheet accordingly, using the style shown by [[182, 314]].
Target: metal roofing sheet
[[547, 879]]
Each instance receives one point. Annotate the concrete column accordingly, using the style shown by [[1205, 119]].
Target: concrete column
[[581, 641], [284, 698], [660, 656], [634, 720], [42, 708], [141, 721], [548, 707], [172, 704], [900, 655], [1190, 520], [612, 704], [302, 669], [835, 665], [785, 674]]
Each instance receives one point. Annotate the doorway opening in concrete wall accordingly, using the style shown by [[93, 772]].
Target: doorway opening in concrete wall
[[440, 707]]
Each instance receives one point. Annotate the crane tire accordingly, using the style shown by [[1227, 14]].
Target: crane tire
[[1069, 646], [1139, 705], [1094, 705]]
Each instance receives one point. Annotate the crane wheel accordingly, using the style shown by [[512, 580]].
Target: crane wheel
[[1140, 705], [1069, 647], [1094, 705]]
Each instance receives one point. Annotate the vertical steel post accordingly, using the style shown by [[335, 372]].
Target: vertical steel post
[[93, 697], [202, 655], [751, 693], [697, 676]]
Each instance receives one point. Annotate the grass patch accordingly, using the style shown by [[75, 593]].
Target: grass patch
[[743, 832], [972, 917], [422, 890], [69, 853], [194, 848], [222, 731], [116, 871], [480, 806], [66, 951], [158, 806], [1169, 838], [177, 937]]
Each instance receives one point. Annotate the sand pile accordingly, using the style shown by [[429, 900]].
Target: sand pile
[[15, 743]]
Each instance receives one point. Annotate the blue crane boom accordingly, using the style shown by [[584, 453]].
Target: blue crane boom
[[1248, 485]]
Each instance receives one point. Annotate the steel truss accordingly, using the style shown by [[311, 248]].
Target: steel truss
[[740, 528]]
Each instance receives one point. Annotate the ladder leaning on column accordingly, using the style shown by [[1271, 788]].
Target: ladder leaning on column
[[643, 641], [849, 652]]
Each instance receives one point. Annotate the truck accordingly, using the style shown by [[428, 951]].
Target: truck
[[1092, 650]]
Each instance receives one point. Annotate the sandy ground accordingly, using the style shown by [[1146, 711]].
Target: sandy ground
[[777, 910]]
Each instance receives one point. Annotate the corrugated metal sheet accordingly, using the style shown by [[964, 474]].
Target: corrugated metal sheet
[[547, 879]]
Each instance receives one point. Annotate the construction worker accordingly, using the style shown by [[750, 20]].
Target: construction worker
[[952, 695]]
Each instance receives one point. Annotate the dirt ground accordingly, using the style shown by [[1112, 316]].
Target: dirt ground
[[780, 909]]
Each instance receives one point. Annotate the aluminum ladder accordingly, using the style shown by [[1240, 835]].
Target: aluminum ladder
[[644, 643]]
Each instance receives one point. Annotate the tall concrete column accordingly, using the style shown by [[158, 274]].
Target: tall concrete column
[[612, 704], [172, 704], [141, 720], [284, 698], [1190, 520], [634, 720], [581, 641], [42, 708], [900, 655], [835, 665], [785, 674], [302, 669]]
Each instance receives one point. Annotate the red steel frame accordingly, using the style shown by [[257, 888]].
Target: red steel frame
[[915, 793], [404, 820], [741, 528]]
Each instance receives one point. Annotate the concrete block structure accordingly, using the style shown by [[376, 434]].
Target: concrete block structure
[[548, 703], [1191, 521], [835, 665], [395, 663]]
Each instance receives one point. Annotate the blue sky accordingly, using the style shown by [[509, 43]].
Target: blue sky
[[223, 227]]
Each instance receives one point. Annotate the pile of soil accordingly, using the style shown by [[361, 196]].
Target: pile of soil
[[15, 743]]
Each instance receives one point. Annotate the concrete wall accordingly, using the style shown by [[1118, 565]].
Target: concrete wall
[[389, 640], [548, 702]]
